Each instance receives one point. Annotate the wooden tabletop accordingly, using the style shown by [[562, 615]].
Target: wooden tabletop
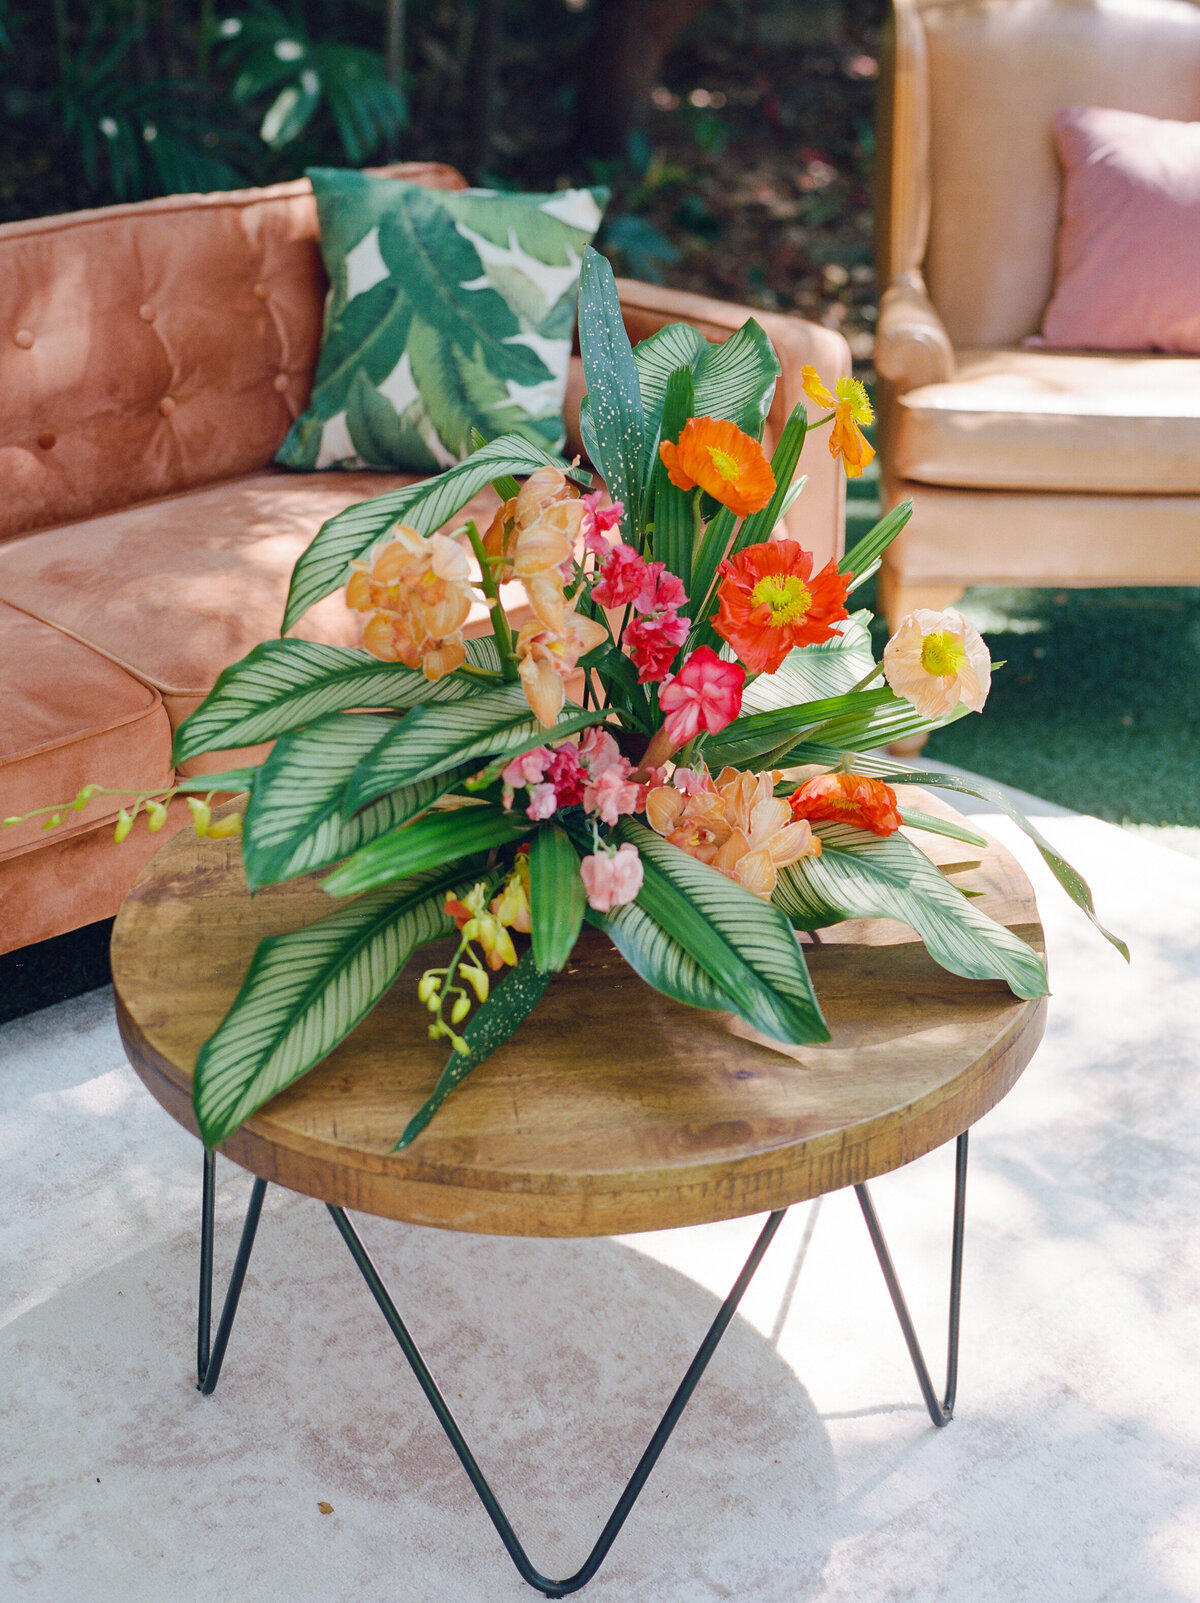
[[613, 1109]]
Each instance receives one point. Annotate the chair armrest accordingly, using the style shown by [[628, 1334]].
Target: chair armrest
[[911, 343], [817, 519]]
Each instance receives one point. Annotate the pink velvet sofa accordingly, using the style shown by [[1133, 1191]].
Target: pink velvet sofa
[[152, 357]]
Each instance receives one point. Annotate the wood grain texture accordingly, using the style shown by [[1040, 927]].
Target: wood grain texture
[[613, 1109]]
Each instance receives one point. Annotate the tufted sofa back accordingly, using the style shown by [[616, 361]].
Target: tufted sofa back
[[149, 348]]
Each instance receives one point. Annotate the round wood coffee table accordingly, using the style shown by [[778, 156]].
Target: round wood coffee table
[[612, 1110]]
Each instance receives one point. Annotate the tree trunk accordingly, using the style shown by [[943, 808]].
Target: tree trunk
[[623, 63]]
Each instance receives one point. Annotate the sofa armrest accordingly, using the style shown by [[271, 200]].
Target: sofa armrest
[[911, 343], [817, 519]]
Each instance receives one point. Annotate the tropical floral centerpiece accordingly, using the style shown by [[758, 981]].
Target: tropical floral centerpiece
[[619, 757]]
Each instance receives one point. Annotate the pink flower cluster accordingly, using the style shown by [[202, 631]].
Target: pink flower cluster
[[598, 523], [592, 775], [706, 693], [612, 878], [655, 635]]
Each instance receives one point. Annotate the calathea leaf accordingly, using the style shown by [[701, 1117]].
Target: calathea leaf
[[814, 673], [294, 824], [505, 1010], [863, 557], [556, 897], [438, 838], [861, 875], [887, 768], [283, 684], [675, 513], [432, 740], [306, 990], [424, 506], [760, 526], [741, 942], [758, 734], [659, 958]]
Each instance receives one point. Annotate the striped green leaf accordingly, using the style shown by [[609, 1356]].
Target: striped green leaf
[[305, 991], [887, 768], [424, 506], [758, 735], [293, 823], [659, 959], [932, 825], [863, 557], [892, 719], [505, 1010], [436, 839], [230, 782], [813, 673], [611, 418], [743, 943], [432, 739], [674, 510], [861, 875], [283, 684], [556, 897]]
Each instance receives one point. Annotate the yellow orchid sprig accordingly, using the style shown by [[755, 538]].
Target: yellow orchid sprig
[[155, 802]]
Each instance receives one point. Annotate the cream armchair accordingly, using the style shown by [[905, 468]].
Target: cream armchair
[[1026, 467]]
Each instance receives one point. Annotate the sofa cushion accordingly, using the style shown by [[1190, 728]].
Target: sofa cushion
[[448, 312], [1037, 420], [175, 590], [70, 718], [149, 348]]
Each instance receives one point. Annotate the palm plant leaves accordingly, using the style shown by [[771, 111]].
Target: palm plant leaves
[[861, 875], [284, 684], [424, 506], [741, 942], [293, 822], [306, 990]]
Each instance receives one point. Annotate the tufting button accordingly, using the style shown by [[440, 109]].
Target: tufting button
[[23, 338], [147, 314], [281, 382], [261, 291], [167, 405], [47, 439]]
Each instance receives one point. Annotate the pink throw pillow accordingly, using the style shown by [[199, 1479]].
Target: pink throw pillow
[[1129, 241]]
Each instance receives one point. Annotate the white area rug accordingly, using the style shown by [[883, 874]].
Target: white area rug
[[805, 1468]]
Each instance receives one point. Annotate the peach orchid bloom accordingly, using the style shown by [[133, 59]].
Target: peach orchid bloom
[[736, 824], [418, 590], [547, 656]]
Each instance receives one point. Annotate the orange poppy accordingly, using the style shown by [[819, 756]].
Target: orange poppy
[[770, 602], [851, 407], [848, 799], [717, 456]]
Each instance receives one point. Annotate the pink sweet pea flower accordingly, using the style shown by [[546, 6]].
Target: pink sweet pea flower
[[621, 578], [613, 793], [598, 522], [653, 642], [527, 769], [612, 878], [542, 802], [660, 590], [706, 692], [598, 750], [567, 774]]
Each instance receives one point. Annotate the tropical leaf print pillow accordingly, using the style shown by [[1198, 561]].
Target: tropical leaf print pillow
[[448, 310]]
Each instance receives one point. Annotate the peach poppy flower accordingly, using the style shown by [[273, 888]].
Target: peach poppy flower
[[937, 659], [736, 824], [848, 799], [548, 655], [418, 590], [714, 454], [851, 412], [770, 602]]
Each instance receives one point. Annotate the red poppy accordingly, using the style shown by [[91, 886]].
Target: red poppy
[[848, 799], [771, 601]]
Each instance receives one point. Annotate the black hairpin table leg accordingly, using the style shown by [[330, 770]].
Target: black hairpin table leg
[[209, 1359], [941, 1412]]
